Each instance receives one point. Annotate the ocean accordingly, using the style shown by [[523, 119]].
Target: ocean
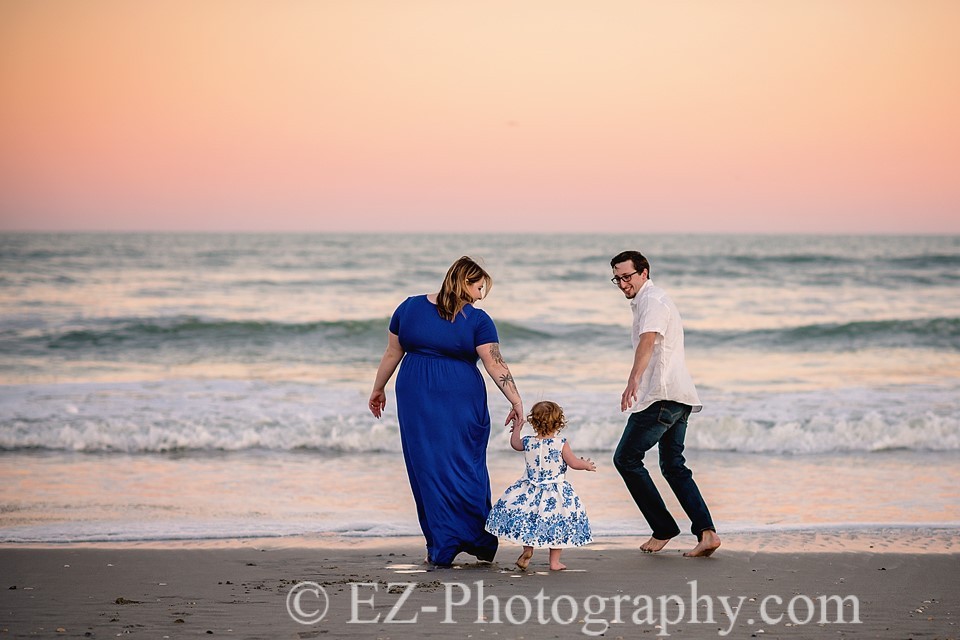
[[161, 387]]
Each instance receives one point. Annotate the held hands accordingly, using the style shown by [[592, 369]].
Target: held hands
[[515, 416], [378, 400]]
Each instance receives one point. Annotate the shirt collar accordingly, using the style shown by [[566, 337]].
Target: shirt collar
[[643, 291]]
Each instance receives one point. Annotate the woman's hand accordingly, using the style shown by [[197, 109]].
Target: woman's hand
[[388, 364], [378, 400]]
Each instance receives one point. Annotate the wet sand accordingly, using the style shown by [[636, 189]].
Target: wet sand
[[380, 589]]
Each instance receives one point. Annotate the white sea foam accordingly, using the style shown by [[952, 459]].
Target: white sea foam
[[189, 415], [840, 420], [230, 415]]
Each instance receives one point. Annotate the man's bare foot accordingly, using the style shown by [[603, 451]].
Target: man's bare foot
[[709, 542], [559, 566], [653, 545], [524, 560]]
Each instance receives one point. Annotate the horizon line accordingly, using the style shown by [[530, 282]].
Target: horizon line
[[469, 233]]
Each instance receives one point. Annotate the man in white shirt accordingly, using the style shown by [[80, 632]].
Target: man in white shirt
[[660, 395]]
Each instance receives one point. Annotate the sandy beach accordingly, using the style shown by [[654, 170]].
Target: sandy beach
[[380, 589]]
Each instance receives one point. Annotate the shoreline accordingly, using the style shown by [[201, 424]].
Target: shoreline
[[244, 591], [924, 538]]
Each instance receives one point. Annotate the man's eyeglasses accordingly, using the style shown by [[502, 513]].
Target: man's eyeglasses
[[625, 278]]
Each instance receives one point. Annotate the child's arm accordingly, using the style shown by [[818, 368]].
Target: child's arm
[[516, 440], [581, 464]]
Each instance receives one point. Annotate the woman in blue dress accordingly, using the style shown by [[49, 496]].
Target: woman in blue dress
[[442, 408]]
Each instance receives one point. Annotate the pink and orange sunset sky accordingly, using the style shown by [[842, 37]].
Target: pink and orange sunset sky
[[818, 116]]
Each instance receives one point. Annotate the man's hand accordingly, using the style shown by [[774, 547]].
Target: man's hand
[[629, 395]]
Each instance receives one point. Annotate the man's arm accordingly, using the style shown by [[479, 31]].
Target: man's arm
[[641, 359]]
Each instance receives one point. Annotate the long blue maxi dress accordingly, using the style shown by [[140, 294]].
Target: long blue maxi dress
[[445, 425]]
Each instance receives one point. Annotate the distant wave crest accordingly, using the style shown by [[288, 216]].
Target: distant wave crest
[[187, 332], [934, 333]]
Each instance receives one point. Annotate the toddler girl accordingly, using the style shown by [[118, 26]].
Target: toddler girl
[[541, 509]]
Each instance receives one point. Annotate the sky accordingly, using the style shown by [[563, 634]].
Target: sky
[[489, 116]]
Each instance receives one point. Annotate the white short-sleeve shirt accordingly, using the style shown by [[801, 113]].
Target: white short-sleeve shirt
[[666, 376]]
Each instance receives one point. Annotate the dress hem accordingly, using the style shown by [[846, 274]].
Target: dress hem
[[541, 545]]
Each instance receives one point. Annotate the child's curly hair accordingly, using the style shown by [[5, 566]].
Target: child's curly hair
[[546, 417]]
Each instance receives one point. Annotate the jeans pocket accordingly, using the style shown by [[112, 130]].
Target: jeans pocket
[[670, 413]]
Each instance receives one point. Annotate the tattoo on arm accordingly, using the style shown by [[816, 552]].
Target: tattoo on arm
[[507, 379]]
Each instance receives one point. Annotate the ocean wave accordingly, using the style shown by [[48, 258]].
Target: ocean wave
[[174, 416], [189, 332], [926, 261], [190, 326], [225, 415], [930, 333], [827, 431]]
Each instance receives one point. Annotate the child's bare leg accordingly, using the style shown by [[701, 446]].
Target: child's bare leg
[[524, 560], [555, 564]]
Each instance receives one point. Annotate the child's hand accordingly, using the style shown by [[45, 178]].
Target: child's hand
[[590, 464]]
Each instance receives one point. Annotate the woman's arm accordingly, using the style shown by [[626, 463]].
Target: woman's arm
[[500, 373], [581, 464], [388, 364]]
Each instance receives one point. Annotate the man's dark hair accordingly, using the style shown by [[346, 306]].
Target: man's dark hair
[[639, 262]]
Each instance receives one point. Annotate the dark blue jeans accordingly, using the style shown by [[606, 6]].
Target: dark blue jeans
[[663, 422]]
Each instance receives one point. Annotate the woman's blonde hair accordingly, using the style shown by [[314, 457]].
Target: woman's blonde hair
[[546, 417], [453, 292]]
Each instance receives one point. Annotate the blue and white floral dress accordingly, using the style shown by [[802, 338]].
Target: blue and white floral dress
[[541, 509]]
